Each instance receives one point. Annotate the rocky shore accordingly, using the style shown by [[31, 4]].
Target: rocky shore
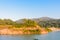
[[54, 29], [21, 31], [26, 30]]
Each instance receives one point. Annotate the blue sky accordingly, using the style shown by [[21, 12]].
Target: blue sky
[[18, 9]]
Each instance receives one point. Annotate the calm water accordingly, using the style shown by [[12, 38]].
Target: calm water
[[49, 36]]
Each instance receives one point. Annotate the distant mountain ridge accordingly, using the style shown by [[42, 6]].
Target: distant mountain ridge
[[38, 19]]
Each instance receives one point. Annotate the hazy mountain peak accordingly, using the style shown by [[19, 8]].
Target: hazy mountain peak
[[37, 19], [46, 18]]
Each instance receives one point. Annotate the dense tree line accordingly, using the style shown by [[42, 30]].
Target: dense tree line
[[50, 23], [30, 23], [6, 22], [25, 23]]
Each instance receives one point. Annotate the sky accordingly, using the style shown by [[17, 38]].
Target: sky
[[19, 9]]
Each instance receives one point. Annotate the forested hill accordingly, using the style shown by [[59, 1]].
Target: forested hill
[[42, 22]]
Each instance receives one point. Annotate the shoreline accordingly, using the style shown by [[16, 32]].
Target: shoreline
[[22, 32], [54, 29]]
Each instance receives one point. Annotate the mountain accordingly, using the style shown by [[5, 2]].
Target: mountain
[[36, 19], [20, 21], [46, 18], [42, 19]]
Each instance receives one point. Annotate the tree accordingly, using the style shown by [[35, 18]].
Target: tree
[[30, 23]]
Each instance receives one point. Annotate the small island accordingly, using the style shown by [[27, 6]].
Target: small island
[[28, 26]]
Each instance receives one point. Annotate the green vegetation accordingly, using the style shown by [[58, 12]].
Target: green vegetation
[[48, 30], [50, 23], [26, 23], [29, 25]]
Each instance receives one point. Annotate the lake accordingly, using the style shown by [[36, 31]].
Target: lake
[[49, 36]]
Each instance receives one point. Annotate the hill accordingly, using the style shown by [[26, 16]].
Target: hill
[[44, 21]]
